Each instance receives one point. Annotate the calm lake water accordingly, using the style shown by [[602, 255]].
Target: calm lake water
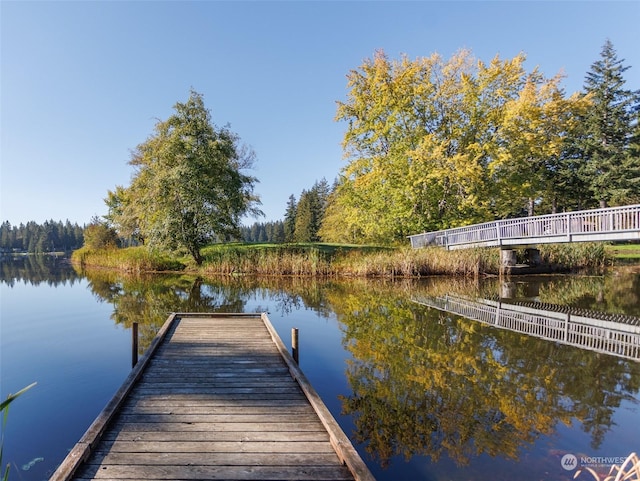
[[424, 393]]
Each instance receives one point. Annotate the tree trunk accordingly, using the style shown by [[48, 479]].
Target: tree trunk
[[195, 253]]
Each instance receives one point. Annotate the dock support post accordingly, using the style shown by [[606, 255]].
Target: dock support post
[[294, 345], [134, 344]]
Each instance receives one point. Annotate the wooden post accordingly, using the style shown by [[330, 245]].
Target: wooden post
[[294, 345], [134, 344]]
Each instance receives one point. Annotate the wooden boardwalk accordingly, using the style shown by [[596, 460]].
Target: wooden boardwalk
[[216, 396]]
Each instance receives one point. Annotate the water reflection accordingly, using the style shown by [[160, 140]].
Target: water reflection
[[423, 382], [614, 334], [36, 269], [429, 383]]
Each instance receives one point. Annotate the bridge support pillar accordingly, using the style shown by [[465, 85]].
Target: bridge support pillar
[[533, 257], [507, 257], [508, 290]]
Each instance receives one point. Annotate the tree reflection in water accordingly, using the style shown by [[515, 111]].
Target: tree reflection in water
[[423, 382], [429, 383]]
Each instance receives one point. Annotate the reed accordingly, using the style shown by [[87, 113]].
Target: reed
[[132, 259], [4, 411], [331, 260], [342, 261], [587, 255], [285, 260]]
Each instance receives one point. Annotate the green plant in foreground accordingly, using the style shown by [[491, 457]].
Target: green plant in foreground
[[4, 408]]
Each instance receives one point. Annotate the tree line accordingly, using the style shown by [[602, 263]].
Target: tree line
[[430, 144], [434, 143], [36, 238]]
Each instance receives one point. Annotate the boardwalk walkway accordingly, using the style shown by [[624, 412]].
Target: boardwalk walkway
[[610, 224], [215, 397]]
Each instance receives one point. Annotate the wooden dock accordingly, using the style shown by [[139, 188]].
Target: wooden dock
[[216, 396]]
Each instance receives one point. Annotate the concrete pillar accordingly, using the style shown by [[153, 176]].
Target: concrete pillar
[[533, 256], [508, 290], [532, 289], [508, 257]]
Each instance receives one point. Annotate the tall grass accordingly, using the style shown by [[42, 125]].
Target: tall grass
[[329, 260], [587, 255], [332, 261], [284, 260], [132, 259], [407, 262]]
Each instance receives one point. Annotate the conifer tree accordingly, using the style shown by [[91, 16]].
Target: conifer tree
[[290, 219], [610, 165]]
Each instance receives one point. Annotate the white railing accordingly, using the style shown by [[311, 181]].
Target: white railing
[[591, 333], [613, 223]]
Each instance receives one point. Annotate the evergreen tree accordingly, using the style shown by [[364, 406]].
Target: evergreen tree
[[278, 232], [35, 238], [290, 219], [610, 166], [5, 236], [304, 218], [633, 174], [310, 212]]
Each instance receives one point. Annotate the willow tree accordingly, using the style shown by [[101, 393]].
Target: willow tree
[[190, 187], [428, 142]]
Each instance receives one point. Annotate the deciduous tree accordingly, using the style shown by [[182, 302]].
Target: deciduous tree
[[434, 143], [190, 187]]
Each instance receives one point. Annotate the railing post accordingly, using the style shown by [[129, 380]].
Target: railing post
[[134, 344], [295, 352]]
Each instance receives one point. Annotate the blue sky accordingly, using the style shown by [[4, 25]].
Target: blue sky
[[83, 83]]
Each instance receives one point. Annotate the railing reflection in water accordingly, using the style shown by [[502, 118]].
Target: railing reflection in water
[[617, 335]]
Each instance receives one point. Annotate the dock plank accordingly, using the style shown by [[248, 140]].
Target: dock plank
[[216, 397]]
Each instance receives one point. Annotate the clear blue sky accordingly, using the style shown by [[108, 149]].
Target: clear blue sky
[[83, 83]]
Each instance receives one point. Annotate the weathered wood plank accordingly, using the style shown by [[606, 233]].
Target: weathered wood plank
[[168, 399], [266, 408], [221, 427], [214, 418], [214, 400], [214, 459], [302, 473], [211, 435], [152, 447]]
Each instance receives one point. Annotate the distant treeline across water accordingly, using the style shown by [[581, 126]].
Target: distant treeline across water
[[32, 237]]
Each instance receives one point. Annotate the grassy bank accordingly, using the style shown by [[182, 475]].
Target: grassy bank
[[333, 260], [131, 259], [624, 253]]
